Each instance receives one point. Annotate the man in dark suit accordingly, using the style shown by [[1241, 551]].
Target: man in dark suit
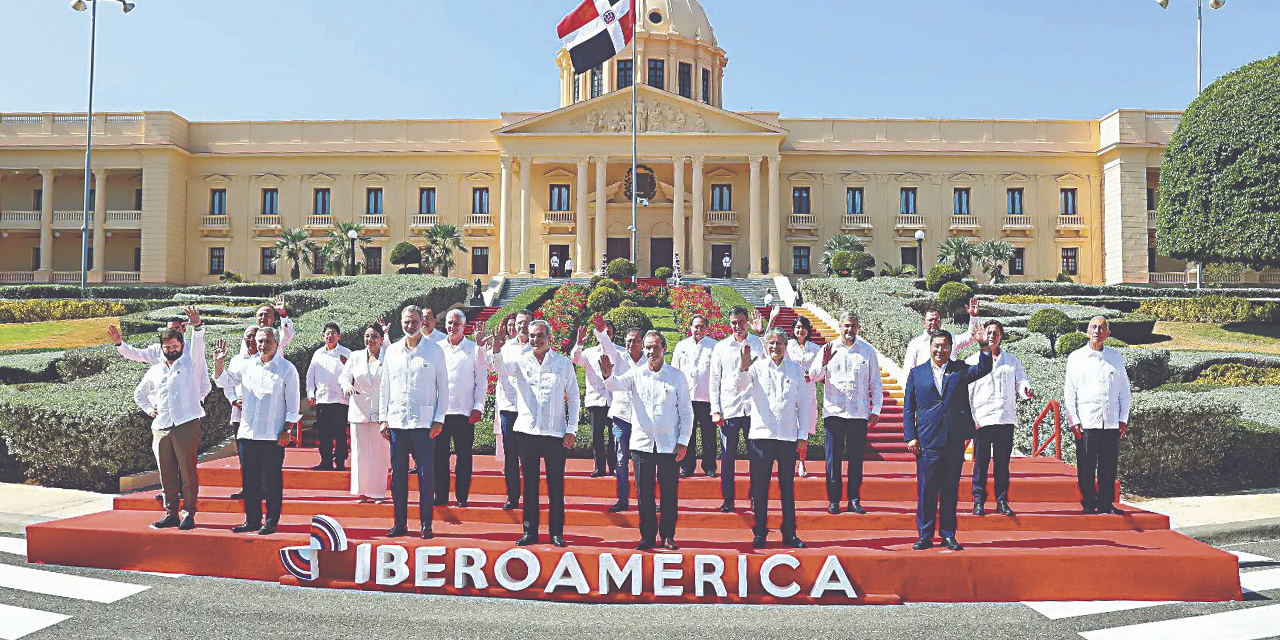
[[937, 422]]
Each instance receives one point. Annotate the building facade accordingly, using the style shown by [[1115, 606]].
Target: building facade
[[180, 202]]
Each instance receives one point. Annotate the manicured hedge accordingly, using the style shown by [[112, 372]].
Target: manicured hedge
[[1185, 366], [163, 292], [530, 299], [727, 298], [1176, 444], [1217, 309], [1119, 291], [29, 367]]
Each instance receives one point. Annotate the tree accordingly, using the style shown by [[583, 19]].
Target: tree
[[842, 242], [443, 241], [953, 296], [862, 264], [295, 246], [940, 274], [621, 268], [898, 270], [992, 256], [957, 252], [1051, 323], [405, 254], [337, 247], [842, 263], [1219, 197]]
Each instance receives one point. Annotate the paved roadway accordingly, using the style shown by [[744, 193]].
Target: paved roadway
[[46, 603]]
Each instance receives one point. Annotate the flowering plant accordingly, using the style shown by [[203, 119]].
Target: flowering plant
[[564, 312]]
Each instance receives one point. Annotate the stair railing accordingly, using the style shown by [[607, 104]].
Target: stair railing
[[1056, 438]]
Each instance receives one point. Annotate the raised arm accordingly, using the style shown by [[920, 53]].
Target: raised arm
[[971, 334], [981, 369]]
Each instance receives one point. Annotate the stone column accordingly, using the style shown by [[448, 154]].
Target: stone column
[[756, 220], [45, 274], [602, 212], [1124, 227], [581, 248], [775, 218], [677, 210], [504, 216], [526, 196], [696, 262], [98, 272]]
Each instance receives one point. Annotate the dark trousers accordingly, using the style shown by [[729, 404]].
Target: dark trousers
[[664, 466], [602, 439], [331, 425], [763, 455], [846, 440], [730, 431], [419, 443], [622, 441], [261, 478], [938, 489], [706, 429], [548, 450], [459, 431], [1097, 457], [992, 441], [511, 454]]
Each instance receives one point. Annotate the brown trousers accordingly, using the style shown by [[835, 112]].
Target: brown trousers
[[176, 449]]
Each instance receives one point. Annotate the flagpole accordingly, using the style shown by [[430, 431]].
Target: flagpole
[[635, 119]]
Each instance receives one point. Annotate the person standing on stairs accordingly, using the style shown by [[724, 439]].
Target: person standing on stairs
[[324, 394], [852, 399], [514, 326], [435, 335], [993, 400], [693, 358], [803, 351], [731, 405], [1096, 399], [919, 349], [237, 365], [620, 409], [270, 316], [597, 402], [361, 382], [468, 388]]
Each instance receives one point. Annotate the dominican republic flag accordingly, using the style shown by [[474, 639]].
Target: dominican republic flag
[[597, 31]]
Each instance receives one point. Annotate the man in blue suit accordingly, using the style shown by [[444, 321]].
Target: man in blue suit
[[937, 422]]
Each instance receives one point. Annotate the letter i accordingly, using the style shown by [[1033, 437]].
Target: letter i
[[742, 576], [364, 554]]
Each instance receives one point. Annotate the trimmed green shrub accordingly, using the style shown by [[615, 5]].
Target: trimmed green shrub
[[621, 268], [597, 279], [627, 318], [29, 367], [1129, 327], [663, 273], [1176, 444], [1115, 344], [406, 254], [603, 299], [941, 274], [953, 296], [727, 298], [530, 299], [1185, 366], [46, 310], [1123, 291], [608, 283], [1239, 375], [1063, 277], [1147, 368], [1069, 342], [1050, 323], [842, 263], [1217, 309]]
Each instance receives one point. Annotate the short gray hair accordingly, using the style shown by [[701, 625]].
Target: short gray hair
[[269, 331], [546, 326], [411, 308], [777, 332], [455, 312], [850, 314], [657, 334]]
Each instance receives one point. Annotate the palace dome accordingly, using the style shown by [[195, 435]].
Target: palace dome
[[684, 18]]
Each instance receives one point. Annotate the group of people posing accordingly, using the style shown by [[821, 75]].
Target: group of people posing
[[425, 393]]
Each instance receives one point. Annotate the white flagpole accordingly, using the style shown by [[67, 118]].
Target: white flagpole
[[635, 119]]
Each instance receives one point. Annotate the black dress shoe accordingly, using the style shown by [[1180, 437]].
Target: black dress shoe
[[397, 531], [833, 509], [559, 541], [239, 495], [712, 474], [619, 506], [726, 507], [188, 522], [922, 544], [685, 474], [413, 471], [794, 542], [246, 527], [979, 509], [323, 466], [1088, 511], [462, 503], [645, 545], [1112, 511], [953, 544], [855, 506], [267, 529], [426, 533], [527, 539], [758, 542], [597, 474], [510, 504], [1003, 509], [341, 466], [168, 522], [670, 544], [442, 502]]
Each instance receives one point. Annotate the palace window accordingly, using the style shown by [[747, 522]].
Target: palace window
[[480, 200], [800, 200], [217, 202], [706, 86], [373, 260], [961, 201], [1068, 203], [686, 79], [137, 258], [426, 200], [907, 201], [625, 74], [1014, 197], [268, 266], [657, 73], [480, 260], [373, 201], [1018, 266], [1151, 198], [320, 202], [270, 202], [1070, 261], [217, 260], [853, 201], [722, 197], [597, 81], [559, 200], [800, 261], [137, 199], [910, 256], [317, 260], [37, 199], [577, 87]]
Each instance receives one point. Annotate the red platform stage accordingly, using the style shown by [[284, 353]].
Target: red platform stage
[[1047, 552]]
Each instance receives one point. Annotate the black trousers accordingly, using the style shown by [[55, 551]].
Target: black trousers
[[730, 431], [510, 454], [992, 441], [1097, 459], [459, 431], [846, 440], [261, 478], [419, 443], [602, 447], [331, 424], [938, 488], [763, 455], [667, 470], [706, 429], [548, 450]]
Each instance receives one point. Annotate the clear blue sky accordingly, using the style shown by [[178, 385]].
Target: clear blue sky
[[337, 59]]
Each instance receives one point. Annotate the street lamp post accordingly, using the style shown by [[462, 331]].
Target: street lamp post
[[352, 235], [79, 5], [919, 253], [1213, 4]]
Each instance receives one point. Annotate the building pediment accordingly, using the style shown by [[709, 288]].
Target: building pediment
[[1016, 178], [856, 177], [660, 113], [270, 178], [1070, 178], [217, 178], [804, 176]]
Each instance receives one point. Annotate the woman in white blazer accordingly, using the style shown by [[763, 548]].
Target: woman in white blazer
[[370, 454]]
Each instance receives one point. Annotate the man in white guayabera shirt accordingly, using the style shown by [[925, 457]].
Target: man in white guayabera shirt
[[620, 407], [731, 405], [171, 393], [468, 387], [692, 357], [516, 326], [918, 349], [596, 401], [993, 401], [1096, 399], [324, 393]]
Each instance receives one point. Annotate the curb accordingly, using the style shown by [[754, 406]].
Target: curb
[[1233, 532]]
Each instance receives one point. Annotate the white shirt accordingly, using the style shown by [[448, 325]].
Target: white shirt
[[993, 398], [415, 385], [152, 354], [284, 335], [1096, 395], [620, 405], [693, 359], [468, 377], [568, 264], [774, 394], [661, 411], [322, 375], [437, 335], [852, 387], [543, 389], [270, 394], [938, 374], [237, 364], [555, 261], [506, 391], [175, 390], [727, 398], [363, 375], [589, 360], [918, 349]]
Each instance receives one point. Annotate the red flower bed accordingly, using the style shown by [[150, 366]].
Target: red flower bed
[[564, 312], [692, 299]]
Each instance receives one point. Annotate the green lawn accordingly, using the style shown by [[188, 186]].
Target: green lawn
[[1195, 336], [62, 334]]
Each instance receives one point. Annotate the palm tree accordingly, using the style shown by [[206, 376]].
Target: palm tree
[[843, 242], [295, 246], [443, 240], [338, 246], [992, 255], [957, 252], [897, 271]]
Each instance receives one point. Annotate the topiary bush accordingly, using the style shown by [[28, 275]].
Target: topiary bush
[[603, 299], [941, 274], [663, 273], [621, 268], [953, 296], [863, 265], [1176, 443], [597, 280], [406, 254], [842, 263], [626, 318], [1051, 323], [1069, 342]]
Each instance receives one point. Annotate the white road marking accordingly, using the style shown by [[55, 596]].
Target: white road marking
[[1059, 610], [163, 575], [66, 586], [1264, 580], [1245, 556], [16, 546], [1243, 624], [16, 622]]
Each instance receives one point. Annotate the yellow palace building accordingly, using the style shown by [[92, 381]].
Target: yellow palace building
[[180, 202]]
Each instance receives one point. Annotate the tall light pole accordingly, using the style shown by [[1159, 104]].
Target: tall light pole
[[1213, 4], [80, 5], [352, 235], [920, 253]]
